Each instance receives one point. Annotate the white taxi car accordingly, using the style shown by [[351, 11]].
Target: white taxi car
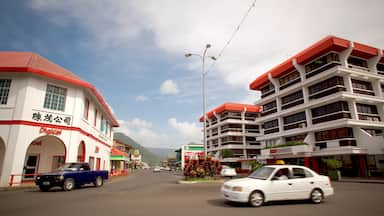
[[278, 182]]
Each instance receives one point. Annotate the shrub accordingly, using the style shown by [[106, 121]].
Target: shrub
[[202, 168]]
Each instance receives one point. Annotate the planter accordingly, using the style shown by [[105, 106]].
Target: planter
[[334, 175]]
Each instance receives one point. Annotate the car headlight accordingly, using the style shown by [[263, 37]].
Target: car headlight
[[38, 177], [237, 188], [61, 177]]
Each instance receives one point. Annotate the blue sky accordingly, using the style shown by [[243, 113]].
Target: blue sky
[[133, 51]]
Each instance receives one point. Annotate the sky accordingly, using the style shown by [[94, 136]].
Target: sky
[[133, 51]]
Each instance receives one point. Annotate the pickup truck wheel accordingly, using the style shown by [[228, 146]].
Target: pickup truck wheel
[[98, 181], [69, 184], [44, 188]]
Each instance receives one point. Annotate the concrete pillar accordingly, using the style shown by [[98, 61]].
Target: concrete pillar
[[344, 55]]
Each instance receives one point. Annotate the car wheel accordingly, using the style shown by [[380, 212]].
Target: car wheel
[[98, 181], [69, 184], [44, 188], [316, 196], [256, 199]]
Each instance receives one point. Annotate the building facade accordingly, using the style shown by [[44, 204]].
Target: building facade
[[326, 101], [231, 131], [119, 158], [49, 116], [189, 152]]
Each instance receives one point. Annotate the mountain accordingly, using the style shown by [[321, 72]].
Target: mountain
[[146, 155], [163, 152]]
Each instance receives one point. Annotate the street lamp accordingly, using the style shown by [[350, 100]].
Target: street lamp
[[203, 74]]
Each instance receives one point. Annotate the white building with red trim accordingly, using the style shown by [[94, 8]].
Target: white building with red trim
[[232, 128], [329, 100], [49, 116]]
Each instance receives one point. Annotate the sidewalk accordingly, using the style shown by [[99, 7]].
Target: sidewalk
[[372, 180]]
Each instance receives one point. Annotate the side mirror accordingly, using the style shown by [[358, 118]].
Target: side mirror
[[274, 178]]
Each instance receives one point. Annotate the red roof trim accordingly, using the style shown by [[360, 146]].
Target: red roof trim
[[364, 51], [382, 58], [321, 47], [329, 43], [22, 65], [61, 127], [117, 152], [259, 81], [231, 107]]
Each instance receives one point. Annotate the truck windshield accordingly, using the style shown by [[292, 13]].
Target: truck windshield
[[262, 173], [69, 167]]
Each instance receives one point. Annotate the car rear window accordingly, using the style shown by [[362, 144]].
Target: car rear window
[[301, 173]]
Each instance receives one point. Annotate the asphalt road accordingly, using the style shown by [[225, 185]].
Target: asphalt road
[[147, 193]]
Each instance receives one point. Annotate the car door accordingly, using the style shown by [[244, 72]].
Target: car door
[[281, 189], [303, 182]]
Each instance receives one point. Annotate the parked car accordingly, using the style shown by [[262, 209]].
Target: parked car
[[156, 169], [71, 175], [278, 182], [227, 171]]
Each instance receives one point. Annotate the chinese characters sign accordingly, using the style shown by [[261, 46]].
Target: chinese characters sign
[[51, 118]]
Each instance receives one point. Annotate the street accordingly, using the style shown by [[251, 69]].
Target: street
[[149, 193]]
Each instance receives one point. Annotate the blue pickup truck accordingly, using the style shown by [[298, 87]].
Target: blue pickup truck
[[71, 175]]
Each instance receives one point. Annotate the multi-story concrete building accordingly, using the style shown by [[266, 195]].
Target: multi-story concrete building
[[326, 101], [231, 131], [49, 116]]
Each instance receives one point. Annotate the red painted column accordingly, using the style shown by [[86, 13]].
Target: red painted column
[[306, 162], [362, 166], [315, 165]]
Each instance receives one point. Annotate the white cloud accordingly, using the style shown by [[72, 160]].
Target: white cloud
[[169, 87], [273, 31], [141, 98], [187, 130], [142, 131]]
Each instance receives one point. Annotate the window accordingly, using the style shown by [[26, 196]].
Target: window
[[330, 112], [296, 138], [380, 68], [269, 108], [338, 133], [367, 112], [297, 120], [301, 173], [86, 108], [373, 132], [289, 79], [271, 126], [267, 90], [321, 64], [102, 124], [362, 87], [354, 62], [365, 108], [292, 100], [5, 85], [95, 119], [55, 98], [326, 87]]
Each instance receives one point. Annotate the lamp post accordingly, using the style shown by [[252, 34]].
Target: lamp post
[[203, 74]]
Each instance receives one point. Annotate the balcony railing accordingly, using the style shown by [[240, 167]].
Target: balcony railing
[[322, 69], [331, 117]]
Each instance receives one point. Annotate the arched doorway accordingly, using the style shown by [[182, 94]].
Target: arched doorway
[[81, 152], [2, 154], [44, 154]]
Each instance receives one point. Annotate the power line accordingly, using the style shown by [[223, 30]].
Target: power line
[[233, 34]]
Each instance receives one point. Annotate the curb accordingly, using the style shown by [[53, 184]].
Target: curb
[[363, 181], [199, 182]]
